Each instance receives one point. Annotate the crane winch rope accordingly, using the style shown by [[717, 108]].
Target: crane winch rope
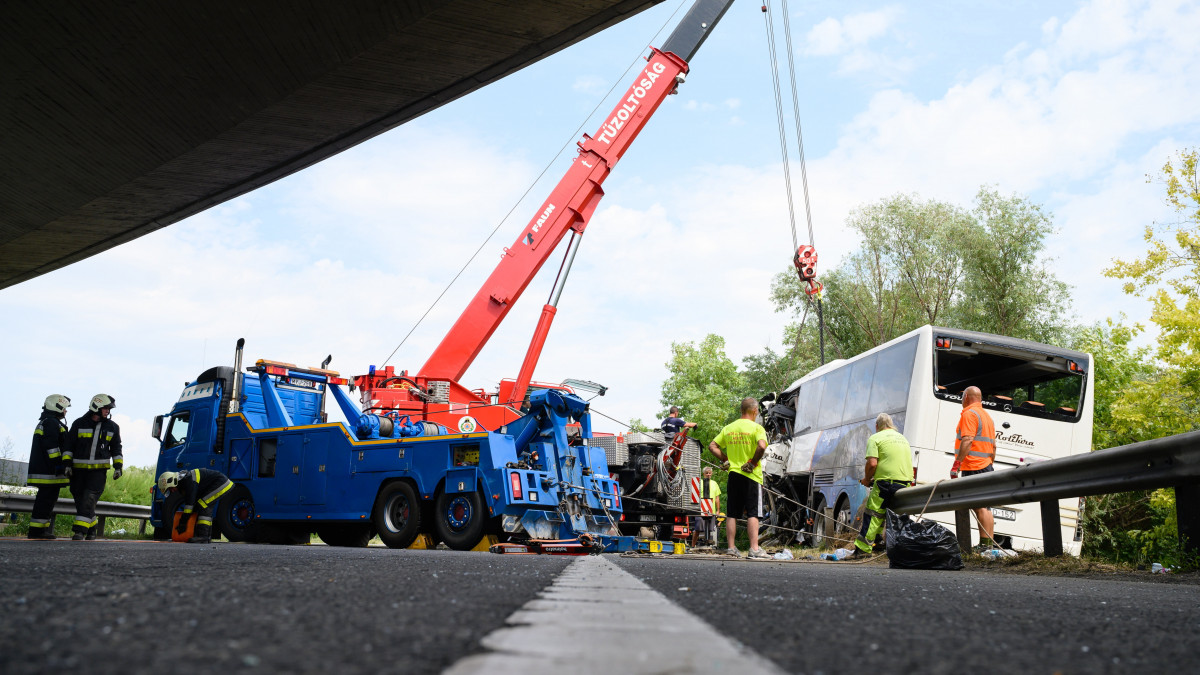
[[805, 259]]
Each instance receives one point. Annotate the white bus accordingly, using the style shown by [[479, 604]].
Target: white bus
[[1039, 396]]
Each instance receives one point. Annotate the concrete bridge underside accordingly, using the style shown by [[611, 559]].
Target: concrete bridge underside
[[117, 119]]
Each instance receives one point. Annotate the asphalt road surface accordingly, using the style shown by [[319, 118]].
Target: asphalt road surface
[[132, 607]]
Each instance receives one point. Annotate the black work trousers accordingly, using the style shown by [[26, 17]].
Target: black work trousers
[[86, 487], [42, 518]]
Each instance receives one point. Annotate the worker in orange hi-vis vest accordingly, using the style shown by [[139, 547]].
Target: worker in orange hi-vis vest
[[975, 440]]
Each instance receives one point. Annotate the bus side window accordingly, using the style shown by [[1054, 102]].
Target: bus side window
[[858, 395], [893, 374], [807, 404], [834, 398]]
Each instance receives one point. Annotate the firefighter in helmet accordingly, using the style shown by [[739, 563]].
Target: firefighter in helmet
[[201, 488], [46, 466], [93, 445]]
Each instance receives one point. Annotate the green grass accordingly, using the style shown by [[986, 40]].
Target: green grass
[[133, 487]]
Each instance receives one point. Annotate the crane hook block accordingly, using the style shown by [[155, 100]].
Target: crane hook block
[[806, 266], [806, 262]]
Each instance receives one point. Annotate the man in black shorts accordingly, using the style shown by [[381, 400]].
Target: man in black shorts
[[741, 445]]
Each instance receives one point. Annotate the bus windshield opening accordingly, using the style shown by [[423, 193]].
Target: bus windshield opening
[[1013, 380]]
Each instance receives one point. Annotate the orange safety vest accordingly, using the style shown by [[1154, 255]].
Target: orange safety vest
[[975, 421]]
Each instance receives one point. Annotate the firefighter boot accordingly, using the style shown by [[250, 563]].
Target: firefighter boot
[[203, 534]]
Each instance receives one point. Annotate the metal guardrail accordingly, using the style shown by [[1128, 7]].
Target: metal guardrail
[[14, 503], [1173, 461]]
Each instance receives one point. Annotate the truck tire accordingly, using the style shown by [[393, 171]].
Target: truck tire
[[353, 535], [235, 515], [397, 515], [459, 518]]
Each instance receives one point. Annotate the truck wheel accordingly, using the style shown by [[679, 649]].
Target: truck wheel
[[459, 519], [355, 535], [397, 515], [235, 515]]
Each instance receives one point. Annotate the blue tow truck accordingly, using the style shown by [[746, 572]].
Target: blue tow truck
[[295, 473]]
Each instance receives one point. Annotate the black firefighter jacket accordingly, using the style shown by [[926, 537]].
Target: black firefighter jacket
[[93, 444], [45, 458]]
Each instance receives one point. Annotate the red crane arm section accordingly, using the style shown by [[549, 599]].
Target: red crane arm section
[[569, 207]]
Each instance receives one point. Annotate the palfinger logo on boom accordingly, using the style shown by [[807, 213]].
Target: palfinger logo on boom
[[609, 131]]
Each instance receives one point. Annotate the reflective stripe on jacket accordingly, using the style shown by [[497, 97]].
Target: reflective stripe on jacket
[[975, 421]]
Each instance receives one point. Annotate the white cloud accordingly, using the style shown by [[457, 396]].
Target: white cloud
[[850, 37]]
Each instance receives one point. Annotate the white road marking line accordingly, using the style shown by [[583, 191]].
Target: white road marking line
[[598, 618]]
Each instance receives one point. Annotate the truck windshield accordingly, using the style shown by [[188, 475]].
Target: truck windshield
[[177, 432], [1011, 379]]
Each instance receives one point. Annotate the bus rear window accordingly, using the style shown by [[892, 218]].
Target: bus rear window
[[1013, 380]]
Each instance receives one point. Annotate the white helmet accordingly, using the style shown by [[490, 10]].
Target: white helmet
[[167, 480], [56, 403], [102, 401]]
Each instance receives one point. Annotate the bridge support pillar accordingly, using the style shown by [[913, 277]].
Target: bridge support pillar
[[1187, 513], [962, 529], [1051, 529]]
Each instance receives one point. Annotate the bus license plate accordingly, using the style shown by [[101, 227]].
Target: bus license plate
[[1004, 514]]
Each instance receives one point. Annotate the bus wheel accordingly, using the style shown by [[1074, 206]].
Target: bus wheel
[[820, 526], [459, 519], [397, 515], [235, 515], [354, 535], [845, 521]]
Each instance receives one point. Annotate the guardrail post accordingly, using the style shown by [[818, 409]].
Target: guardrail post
[[1187, 515], [1051, 529], [100, 527], [962, 529]]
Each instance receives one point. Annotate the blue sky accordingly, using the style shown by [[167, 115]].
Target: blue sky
[[1070, 103]]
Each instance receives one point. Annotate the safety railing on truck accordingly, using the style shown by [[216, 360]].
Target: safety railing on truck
[[1173, 461], [14, 503]]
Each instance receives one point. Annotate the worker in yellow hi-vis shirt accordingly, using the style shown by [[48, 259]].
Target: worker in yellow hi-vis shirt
[[741, 445]]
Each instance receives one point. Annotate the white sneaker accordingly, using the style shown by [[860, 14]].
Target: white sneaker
[[733, 552], [758, 553]]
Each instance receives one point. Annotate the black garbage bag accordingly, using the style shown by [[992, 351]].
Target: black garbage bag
[[921, 544]]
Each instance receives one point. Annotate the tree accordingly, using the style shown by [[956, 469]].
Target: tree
[[1169, 274], [705, 384], [1116, 366], [1155, 399], [1009, 288], [928, 262]]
